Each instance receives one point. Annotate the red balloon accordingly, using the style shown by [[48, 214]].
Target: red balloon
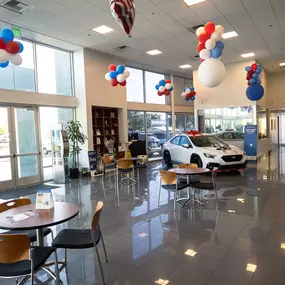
[[12, 47], [166, 92], [254, 66], [123, 83], [114, 82], [192, 93], [250, 72], [203, 37], [248, 83], [2, 44], [168, 81], [200, 47], [112, 67], [188, 96], [201, 60], [210, 27], [249, 77], [159, 93]]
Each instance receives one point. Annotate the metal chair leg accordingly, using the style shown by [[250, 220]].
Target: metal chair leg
[[100, 264], [158, 202], [104, 247], [56, 268]]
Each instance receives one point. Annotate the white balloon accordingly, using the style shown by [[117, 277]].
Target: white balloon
[[205, 53], [4, 55], [211, 72], [210, 44], [219, 29], [183, 94], [168, 86], [200, 31], [107, 76], [188, 91], [126, 73], [161, 89], [216, 36], [121, 78], [16, 59]]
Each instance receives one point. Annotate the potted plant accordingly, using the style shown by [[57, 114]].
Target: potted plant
[[76, 138]]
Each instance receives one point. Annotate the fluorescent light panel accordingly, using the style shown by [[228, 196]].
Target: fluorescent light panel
[[251, 267], [229, 35], [282, 245], [250, 54], [193, 2], [162, 282], [231, 211], [103, 30], [154, 52], [184, 66], [190, 252], [282, 64]]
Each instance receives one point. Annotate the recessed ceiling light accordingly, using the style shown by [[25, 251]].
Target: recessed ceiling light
[[162, 281], [193, 2], [190, 252], [250, 54], [282, 245], [282, 64], [240, 200], [184, 66], [229, 35], [251, 267], [154, 52], [103, 30], [231, 211]]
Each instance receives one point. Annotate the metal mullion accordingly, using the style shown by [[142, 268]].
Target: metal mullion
[[35, 67], [144, 87]]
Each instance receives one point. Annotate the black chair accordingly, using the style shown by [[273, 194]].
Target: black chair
[[82, 238], [19, 260], [10, 204]]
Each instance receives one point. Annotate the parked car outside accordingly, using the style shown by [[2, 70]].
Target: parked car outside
[[230, 135]]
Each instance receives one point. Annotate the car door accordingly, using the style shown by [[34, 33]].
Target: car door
[[184, 150], [174, 147]]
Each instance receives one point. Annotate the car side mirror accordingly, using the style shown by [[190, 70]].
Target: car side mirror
[[185, 145]]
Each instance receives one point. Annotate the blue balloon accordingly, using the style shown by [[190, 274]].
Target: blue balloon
[[113, 74], [7, 35], [185, 99], [157, 86], [258, 81], [192, 98], [216, 52], [162, 82], [184, 90], [120, 69], [255, 75], [220, 45], [252, 81], [4, 64], [171, 89], [21, 46], [247, 68], [255, 92], [259, 69], [192, 89]]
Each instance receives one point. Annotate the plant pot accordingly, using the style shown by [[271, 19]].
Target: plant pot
[[74, 173]]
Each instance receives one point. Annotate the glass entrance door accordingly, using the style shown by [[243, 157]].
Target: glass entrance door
[[19, 147]]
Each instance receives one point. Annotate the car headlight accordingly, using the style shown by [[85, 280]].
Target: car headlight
[[208, 155]]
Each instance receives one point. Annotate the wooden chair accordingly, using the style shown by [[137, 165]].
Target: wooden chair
[[190, 165], [169, 182], [82, 238], [10, 204], [191, 179], [19, 260]]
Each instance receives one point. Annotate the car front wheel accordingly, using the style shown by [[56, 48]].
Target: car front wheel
[[167, 157], [197, 160]]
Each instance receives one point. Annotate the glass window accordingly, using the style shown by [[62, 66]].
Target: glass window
[[184, 141], [180, 123], [175, 140], [151, 79], [135, 86], [136, 126], [54, 71], [20, 77]]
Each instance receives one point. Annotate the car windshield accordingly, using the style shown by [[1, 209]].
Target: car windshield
[[207, 141]]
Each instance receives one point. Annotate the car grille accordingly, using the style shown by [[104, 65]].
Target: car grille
[[232, 158]]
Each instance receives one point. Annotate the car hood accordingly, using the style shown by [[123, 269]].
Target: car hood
[[220, 152]]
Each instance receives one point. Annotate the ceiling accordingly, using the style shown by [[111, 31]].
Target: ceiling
[[159, 24]]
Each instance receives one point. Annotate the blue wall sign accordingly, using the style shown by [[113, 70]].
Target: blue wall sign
[[92, 155], [250, 142]]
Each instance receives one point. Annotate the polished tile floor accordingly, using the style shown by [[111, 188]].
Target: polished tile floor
[[242, 243]]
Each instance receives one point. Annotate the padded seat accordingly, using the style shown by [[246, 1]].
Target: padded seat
[[76, 239], [180, 186], [41, 254], [32, 234], [204, 185], [125, 170]]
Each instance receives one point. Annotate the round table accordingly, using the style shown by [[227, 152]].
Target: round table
[[188, 172], [60, 213]]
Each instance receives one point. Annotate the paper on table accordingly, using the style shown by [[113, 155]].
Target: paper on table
[[21, 217]]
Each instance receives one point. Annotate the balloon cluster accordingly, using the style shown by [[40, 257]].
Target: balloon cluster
[[9, 49], [210, 41], [246, 109], [117, 75], [164, 87], [255, 91], [193, 133], [189, 93], [212, 71]]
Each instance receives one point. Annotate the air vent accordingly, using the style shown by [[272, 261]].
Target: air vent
[[122, 48], [15, 6], [195, 57], [193, 29]]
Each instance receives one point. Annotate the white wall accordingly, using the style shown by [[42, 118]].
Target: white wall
[[276, 90]]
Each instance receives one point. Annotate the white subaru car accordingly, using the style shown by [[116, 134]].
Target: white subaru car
[[205, 150]]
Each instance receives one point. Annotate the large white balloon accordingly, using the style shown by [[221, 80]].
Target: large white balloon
[[126, 73], [200, 31], [188, 91], [183, 94], [168, 86], [205, 53], [210, 44], [211, 72], [216, 36], [121, 78], [4, 55], [16, 59], [219, 29], [161, 89], [107, 76]]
